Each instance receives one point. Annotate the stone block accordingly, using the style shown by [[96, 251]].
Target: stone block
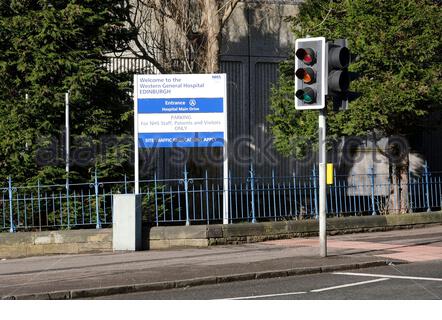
[[156, 233], [177, 243], [196, 243], [216, 241], [43, 239], [275, 228], [100, 237], [76, 236], [94, 247], [7, 238], [188, 232], [67, 248], [159, 244], [214, 231], [414, 218], [303, 226], [355, 223], [58, 237], [35, 250], [243, 230], [12, 251]]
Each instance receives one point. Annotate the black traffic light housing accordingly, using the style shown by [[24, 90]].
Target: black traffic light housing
[[310, 73], [338, 78]]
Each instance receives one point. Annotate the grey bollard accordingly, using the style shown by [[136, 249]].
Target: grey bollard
[[127, 222]]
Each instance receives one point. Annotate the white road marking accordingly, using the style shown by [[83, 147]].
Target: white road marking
[[349, 285], [387, 276], [381, 277], [267, 295], [303, 292]]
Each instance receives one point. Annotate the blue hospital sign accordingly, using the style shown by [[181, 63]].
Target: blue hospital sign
[[182, 110]]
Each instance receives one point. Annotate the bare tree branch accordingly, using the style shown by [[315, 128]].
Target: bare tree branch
[[229, 7], [179, 35]]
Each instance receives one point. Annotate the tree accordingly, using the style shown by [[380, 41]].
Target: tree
[[398, 48], [48, 48], [179, 35]]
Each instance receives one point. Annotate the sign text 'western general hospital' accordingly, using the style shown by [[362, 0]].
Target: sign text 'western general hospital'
[[180, 110]]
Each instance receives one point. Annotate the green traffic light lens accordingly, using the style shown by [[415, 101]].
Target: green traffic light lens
[[307, 95], [307, 98]]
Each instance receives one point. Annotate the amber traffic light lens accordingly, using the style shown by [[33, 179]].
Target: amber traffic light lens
[[307, 75]]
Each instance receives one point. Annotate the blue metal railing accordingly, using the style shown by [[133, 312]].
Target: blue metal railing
[[200, 200]]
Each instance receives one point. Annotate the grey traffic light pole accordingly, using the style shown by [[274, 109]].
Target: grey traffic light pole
[[67, 135], [67, 153], [312, 54], [322, 184]]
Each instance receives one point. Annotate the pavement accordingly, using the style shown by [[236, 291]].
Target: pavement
[[94, 275]]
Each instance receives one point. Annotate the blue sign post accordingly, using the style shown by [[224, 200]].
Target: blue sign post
[[181, 110]]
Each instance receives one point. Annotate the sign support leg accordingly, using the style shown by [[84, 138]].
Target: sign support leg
[[225, 188], [137, 151]]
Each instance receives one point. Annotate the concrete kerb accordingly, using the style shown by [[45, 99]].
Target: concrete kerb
[[166, 285]]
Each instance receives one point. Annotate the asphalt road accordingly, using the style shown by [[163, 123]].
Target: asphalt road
[[414, 281]]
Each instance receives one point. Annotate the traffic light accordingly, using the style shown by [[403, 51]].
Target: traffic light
[[310, 73], [338, 75]]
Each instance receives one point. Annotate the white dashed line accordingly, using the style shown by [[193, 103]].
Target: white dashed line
[[267, 295], [303, 292], [381, 277], [386, 276], [349, 285]]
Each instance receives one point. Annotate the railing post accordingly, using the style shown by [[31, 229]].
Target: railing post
[[440, 199], [186, 192], [410, 191], [206, 180], [39, 204], [11, 216], [97, 208], [252, 190], [125, 183], [229, 194], [372, 175], [274, 192], [336, 188], [295, 195], [427, 189], [67, 202], [315, 192], [156, 197]]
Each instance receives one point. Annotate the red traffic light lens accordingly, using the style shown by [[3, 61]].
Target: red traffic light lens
[[308, 56], [307, 75]]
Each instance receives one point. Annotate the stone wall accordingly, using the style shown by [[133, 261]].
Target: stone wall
[[24, 244], [207, 235]]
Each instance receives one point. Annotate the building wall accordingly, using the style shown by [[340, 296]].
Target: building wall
[[256, 38]]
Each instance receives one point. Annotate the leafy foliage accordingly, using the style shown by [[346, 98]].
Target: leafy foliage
[[398, 48], [48, 48]]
